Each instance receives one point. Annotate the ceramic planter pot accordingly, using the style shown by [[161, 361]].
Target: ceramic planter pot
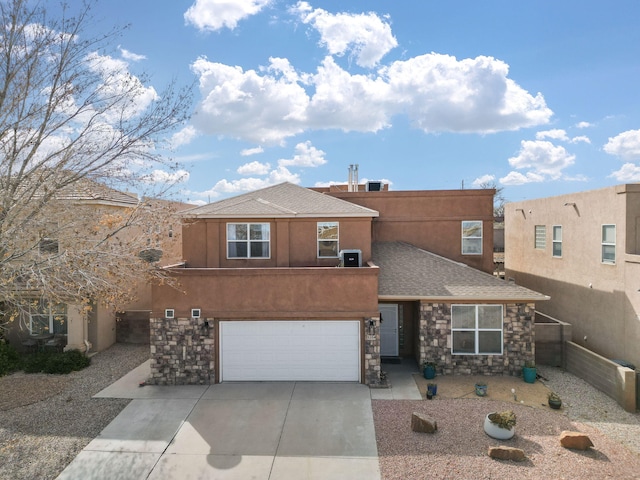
[[429, 372], [494, 431], [529, 374], [481, 390], [556, 404]]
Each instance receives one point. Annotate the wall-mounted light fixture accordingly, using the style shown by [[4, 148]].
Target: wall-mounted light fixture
[[573, 204]]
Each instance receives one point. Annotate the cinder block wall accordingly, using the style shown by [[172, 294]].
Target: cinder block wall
[[610, 378]]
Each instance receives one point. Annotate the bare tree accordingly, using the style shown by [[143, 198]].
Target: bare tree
[[498, 198], [74, 121]]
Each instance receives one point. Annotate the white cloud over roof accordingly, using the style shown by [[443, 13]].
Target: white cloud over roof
[[365, 36], [438, 93], [211, 15], [625, 145], [541, 160]]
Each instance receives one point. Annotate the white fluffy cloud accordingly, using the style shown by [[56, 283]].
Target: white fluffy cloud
[[162, 177], [541, 159], [184, 136], [128, 55], [556, 134], [483, 180], [279, 175], [254, 168], [251, 151], [211, 15], [436, 92], [306, 156], [364, 36], [626, 145], [628, 173]]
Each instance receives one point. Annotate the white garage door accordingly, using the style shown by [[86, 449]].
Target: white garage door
[[290, 351]]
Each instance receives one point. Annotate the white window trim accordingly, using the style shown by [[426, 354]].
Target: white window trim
[[51, 314], [169, 313], [462, 237], [554, 241], [248, 241], [478, 330], [603, 243], [318, 240]]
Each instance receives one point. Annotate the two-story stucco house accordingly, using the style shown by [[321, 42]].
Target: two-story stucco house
[[290, 283], [583, 249]]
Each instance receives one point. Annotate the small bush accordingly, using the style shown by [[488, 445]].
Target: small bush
[[9, 359], [55, 362]]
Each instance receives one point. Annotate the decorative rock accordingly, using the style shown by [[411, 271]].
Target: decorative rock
[[422, 423], [575, 440], [507, 453]]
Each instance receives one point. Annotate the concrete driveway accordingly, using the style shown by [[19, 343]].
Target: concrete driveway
[[270, 431]]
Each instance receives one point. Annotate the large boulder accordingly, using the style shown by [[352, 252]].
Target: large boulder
[[507, 453], [422, 423], [575, 440]]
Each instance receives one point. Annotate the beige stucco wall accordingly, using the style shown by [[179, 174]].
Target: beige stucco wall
[[599, 300]]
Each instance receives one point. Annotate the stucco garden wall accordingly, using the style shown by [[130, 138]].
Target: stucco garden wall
[[435, 342]]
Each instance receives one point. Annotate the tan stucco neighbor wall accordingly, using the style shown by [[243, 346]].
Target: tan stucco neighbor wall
[[600, 300], [518, 337]]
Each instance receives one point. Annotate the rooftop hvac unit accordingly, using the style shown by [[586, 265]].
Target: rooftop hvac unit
[[374, 186], [351, 258]]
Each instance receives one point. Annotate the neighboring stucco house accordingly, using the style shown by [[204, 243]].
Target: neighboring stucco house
[[69, 325], [290, 283], [583, 249]]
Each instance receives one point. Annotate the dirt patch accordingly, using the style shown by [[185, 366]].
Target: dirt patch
[[498, 388], [20, 389]]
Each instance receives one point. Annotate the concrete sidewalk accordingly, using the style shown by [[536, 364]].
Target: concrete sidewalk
[[259, 430]]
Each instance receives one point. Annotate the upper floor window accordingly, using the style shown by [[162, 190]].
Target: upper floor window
[[328, 239], [48, 319], [476, 329], [557, 241], [472, 238], [248, 240], [541, 237], [608, 243]]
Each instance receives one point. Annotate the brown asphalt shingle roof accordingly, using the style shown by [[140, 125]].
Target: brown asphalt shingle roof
[[282, 200], [408, 272]]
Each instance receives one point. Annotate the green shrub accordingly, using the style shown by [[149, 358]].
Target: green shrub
[[55, 362], [9, 359]]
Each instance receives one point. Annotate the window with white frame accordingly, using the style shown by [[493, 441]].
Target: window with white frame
[[557, 241], [248, 240], [45, 319], [541, 237], [608, 244], [476, 329], [328, 239], [472, 237]]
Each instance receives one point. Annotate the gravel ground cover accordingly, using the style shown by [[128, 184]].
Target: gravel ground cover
[[459, 449], [46, 420]]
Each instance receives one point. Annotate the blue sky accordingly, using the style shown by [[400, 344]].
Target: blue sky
[[541, 97]]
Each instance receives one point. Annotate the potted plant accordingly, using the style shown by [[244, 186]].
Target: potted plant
[[554, 400], [481, 389], [500, 425], [432, 390], [529, 372], [429, 370]]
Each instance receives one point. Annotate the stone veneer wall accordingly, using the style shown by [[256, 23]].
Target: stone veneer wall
[[372, 363], [518, 336], [182, 351]]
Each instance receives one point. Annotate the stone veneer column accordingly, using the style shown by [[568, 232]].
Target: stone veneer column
[[372, 365], [518, 337], [182, 351]]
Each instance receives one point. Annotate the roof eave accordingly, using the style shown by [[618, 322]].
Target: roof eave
[[295, 215], [465, 298]]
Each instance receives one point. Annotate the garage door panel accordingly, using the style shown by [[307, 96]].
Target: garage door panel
[[290, 350]]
